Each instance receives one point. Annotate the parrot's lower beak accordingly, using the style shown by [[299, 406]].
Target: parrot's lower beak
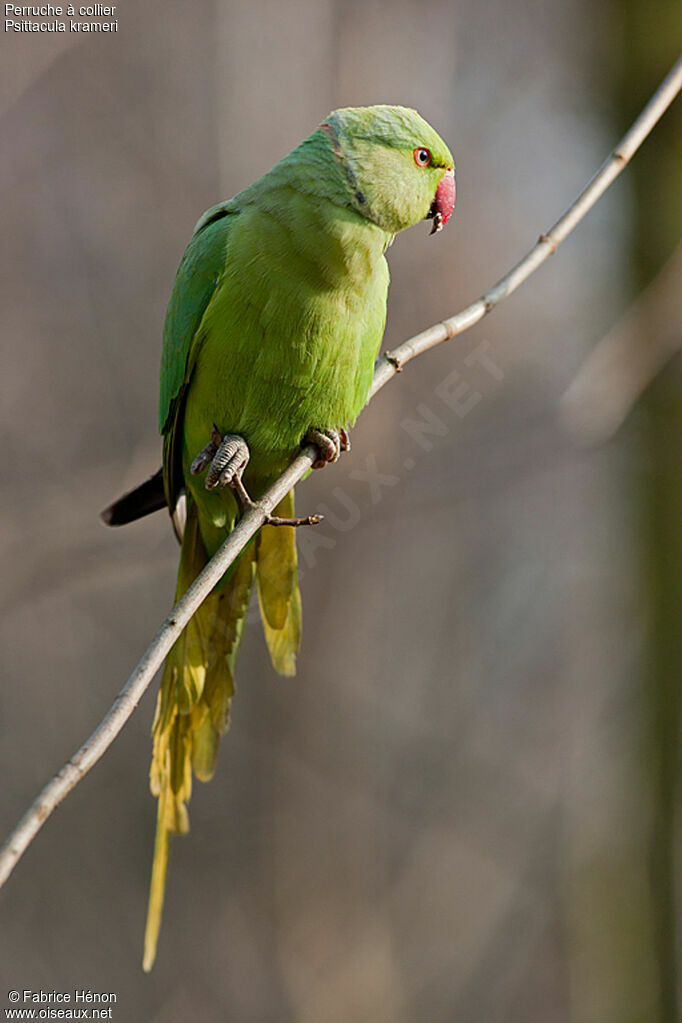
[[443, 202]]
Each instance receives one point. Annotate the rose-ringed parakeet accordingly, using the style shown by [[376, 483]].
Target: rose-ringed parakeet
[[270, 339]]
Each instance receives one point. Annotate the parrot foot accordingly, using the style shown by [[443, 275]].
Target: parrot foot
[[330, 444], [227, 457], [207, 454]]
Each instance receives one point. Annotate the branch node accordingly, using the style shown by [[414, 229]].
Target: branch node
[[545, 239], [307, 520]]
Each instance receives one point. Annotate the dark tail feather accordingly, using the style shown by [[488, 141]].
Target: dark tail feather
[[143, 500]]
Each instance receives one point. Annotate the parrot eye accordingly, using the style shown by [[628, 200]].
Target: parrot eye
[[422, 157]]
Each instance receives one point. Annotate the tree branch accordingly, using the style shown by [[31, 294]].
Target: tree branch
[[387, 366]]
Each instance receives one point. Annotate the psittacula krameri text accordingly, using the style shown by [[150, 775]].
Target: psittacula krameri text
[[271, 334]]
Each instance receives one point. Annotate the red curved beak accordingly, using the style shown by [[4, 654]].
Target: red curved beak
[[444, 201]]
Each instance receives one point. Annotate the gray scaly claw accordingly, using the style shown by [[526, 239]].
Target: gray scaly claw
[[226, 457], [228, 463], [330, 444]]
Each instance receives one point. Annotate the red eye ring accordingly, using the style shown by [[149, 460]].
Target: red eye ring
[[422, 156]]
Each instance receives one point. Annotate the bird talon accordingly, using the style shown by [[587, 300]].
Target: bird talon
[[226, 458], [204, 458], [330, 443]]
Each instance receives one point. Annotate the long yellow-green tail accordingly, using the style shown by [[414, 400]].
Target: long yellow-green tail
[[193, 707]]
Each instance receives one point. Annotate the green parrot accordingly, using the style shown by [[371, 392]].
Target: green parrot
[[270, 339]]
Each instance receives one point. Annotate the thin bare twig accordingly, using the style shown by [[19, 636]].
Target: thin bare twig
[[387, 366]]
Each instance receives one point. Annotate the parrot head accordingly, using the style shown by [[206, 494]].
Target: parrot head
[[398, 168]]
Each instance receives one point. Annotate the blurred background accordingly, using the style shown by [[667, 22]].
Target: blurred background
[[466, 805]]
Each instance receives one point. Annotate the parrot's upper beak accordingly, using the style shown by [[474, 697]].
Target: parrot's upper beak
[[444, 201]]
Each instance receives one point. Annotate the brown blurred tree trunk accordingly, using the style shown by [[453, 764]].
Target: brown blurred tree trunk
[[652, 38], [623, 785]]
